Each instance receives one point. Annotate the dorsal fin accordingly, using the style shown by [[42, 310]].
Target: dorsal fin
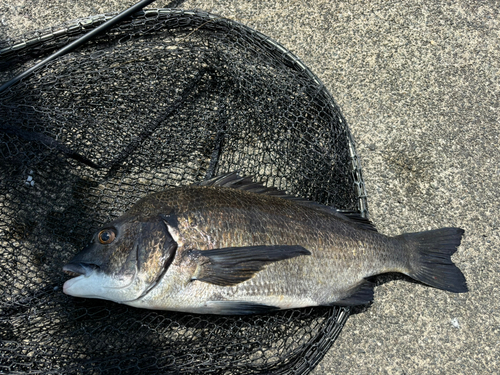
[[234, 181], [356, 217]]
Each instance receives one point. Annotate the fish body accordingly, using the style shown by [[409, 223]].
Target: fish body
[[231, 246]]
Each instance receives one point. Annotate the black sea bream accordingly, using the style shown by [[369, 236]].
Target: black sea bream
[[231, 246]]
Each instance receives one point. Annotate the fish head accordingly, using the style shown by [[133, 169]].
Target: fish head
[[124, 261]]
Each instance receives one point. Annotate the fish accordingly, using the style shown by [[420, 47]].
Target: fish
[[232, 246]]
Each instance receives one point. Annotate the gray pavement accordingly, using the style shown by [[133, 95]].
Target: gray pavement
[[418, 82]]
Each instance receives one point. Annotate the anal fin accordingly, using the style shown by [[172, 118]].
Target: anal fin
[[362, 294]]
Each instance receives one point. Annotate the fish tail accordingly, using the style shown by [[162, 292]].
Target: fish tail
[[430, 260]]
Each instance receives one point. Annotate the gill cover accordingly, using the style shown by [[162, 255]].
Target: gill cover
[[124, 261]]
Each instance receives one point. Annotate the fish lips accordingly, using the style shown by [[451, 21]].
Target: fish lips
[[79, 270]]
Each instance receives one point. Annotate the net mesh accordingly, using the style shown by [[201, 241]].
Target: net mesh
[[164, 99]]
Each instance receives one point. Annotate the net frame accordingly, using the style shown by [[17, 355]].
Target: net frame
[[272, 343]]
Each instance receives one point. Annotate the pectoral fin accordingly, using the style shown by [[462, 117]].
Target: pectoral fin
[[233, 265]]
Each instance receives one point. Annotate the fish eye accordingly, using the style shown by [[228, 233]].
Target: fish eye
[[106, 236]]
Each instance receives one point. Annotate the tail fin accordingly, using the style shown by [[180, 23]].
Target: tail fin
[[431, 258]]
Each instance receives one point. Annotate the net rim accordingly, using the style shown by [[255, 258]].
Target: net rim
[[74, 28]]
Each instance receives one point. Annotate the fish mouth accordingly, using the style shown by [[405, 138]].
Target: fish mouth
[[79, 269]]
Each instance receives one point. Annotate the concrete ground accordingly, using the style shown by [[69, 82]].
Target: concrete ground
[[419, 84]]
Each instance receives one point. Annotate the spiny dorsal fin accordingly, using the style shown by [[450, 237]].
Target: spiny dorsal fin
[[234, 181]]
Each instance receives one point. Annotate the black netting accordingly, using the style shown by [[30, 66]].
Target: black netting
[[164, 99]]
